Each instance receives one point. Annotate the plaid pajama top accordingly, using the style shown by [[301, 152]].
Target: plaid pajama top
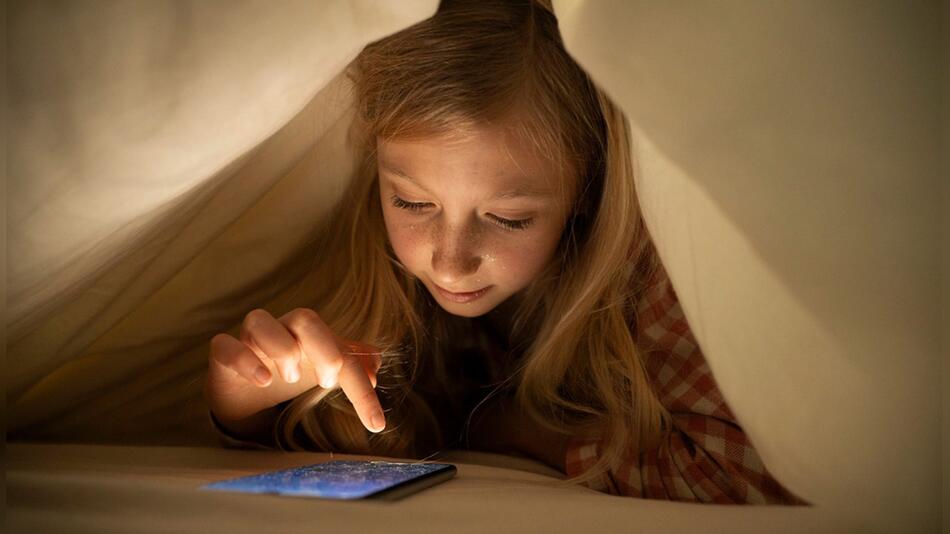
[[706, 458]]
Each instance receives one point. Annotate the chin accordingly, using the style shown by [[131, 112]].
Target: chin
[[461, 311]]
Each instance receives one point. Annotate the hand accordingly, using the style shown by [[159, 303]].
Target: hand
[[278, 359]]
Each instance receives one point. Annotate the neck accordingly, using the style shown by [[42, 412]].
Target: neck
[[500, 320]]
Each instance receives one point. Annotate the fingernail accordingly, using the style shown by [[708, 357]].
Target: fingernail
[[379, 422], [293, 373], [262, 375], [328, 382]]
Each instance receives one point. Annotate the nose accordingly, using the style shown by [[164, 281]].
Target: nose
[[455, 256]]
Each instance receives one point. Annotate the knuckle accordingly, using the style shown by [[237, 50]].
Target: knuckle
[[218, 343], [304, 318], [307, 314], [255, 317], [218, 340]]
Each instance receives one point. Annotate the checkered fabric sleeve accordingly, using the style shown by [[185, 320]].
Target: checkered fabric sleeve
[[706, 457]]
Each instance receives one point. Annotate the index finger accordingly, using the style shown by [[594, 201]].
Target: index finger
[[357, 387]]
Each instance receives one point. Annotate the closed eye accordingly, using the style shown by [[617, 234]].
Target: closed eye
[[507, 224], [406, 205]]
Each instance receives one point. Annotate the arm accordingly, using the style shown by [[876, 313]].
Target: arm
[[251, 433], [702, 460], [707, 456]]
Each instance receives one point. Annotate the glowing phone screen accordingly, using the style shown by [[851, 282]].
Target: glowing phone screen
[[341, 479]]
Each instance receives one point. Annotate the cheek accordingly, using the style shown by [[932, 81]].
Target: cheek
[[518, 261], [405, 237]]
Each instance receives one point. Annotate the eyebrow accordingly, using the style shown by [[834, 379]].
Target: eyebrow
[[519, 192]]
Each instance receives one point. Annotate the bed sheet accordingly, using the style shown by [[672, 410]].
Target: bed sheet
[[103, 489]]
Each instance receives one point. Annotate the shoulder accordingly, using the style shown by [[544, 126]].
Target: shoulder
[[671, 354]]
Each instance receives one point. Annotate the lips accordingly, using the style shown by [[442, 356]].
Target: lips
[[460, 292], [462, 297]]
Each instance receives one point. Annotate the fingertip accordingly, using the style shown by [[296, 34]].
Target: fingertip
[[378, 422], [292, 373], [262, 376]]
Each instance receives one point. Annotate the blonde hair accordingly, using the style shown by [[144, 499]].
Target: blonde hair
[[581, 373]]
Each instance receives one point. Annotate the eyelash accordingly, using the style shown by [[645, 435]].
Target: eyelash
[[419, 206]]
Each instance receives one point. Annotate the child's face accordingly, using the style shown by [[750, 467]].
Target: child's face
[[447, 203]]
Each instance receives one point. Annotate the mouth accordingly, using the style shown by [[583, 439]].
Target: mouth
[[462, 297]]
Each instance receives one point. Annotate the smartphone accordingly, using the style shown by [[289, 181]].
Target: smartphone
[[344, 479]]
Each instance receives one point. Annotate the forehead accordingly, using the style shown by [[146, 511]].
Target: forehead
[[490, 158]]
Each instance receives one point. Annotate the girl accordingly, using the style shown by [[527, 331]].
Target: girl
[[491, 247]]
